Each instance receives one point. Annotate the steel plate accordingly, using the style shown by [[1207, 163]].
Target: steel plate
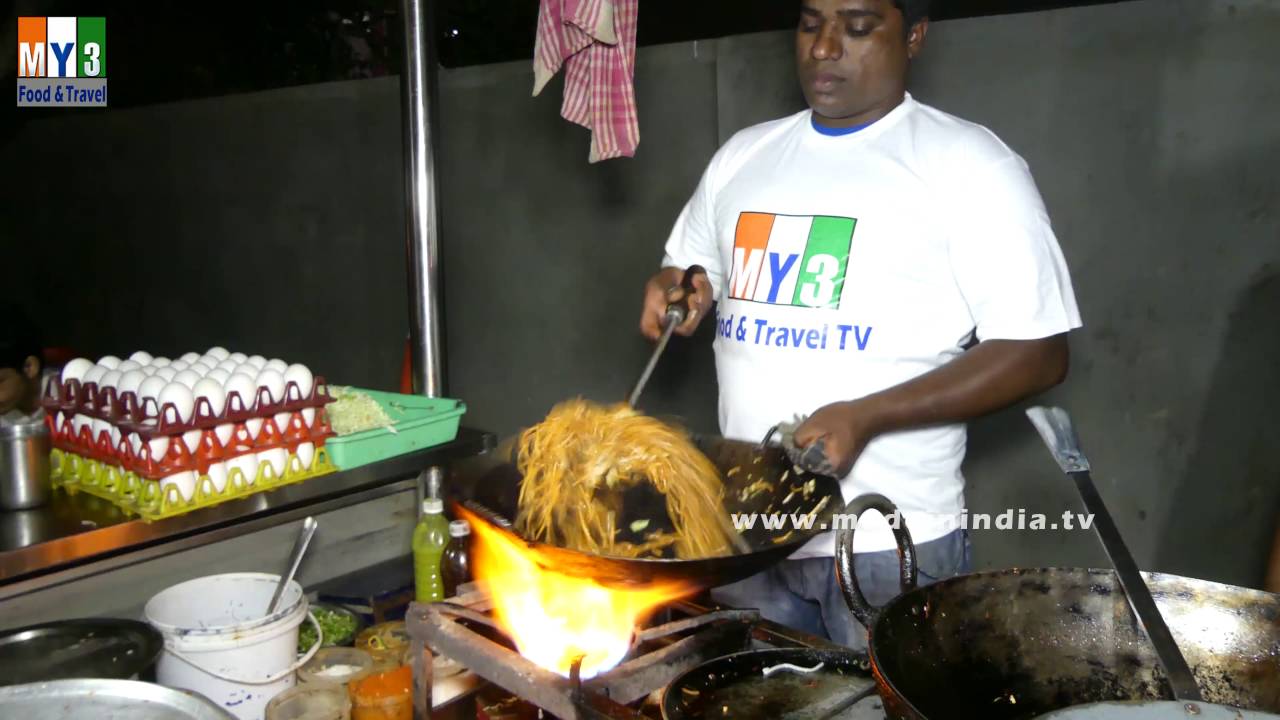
[[115, 699]]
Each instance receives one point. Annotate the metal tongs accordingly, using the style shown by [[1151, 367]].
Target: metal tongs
[[677, 313], [1055, 428]]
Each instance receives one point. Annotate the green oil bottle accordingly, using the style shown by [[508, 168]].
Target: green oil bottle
[[430, 538]]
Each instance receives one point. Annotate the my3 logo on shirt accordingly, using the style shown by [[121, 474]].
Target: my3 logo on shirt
[[797, 260]]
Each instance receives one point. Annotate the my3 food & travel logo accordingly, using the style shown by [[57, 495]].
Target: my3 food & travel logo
[[797, 260], [62, 62]]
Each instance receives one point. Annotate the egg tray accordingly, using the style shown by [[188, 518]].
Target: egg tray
[[178, 458], [126, 413], [151, 500]]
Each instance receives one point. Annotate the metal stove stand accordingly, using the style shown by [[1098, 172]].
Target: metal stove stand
[[462, 630]]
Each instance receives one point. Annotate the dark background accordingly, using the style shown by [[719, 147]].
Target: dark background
[[178, 51]]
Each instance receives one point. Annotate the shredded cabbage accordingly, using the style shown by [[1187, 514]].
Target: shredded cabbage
[[353, 411]]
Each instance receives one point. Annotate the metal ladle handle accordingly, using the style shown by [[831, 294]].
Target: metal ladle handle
[[305, 534], [1058, 433], [677, 313]]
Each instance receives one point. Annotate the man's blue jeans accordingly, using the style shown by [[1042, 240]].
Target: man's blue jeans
[[804, 594]]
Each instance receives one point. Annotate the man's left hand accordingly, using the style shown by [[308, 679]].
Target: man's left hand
[[840, 431]]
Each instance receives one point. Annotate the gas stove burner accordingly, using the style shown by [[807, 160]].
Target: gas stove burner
[[463, 630]]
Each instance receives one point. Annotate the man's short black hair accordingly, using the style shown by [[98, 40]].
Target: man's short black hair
[[18, 338], [913, 11]]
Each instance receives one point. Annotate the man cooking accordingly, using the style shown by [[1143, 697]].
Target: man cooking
[[887, 271]]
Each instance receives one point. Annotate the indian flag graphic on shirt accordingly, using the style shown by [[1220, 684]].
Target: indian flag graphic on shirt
[[797, 260]]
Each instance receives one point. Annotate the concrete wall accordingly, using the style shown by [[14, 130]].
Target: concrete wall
[[1149, 127]]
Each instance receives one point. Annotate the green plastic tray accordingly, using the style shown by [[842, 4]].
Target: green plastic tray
[[420, 422]]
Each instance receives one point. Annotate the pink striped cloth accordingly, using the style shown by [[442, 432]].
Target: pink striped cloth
[[595, 41]]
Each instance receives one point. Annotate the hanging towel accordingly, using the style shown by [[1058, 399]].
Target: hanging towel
[[595, 41]]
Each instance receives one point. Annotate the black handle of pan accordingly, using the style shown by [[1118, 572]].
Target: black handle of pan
[[678, 311], [846, 574]]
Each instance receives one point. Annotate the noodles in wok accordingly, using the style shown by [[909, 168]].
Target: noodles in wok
[[577, 462]]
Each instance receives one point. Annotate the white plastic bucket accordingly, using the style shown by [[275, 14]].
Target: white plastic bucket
[[219, 642]]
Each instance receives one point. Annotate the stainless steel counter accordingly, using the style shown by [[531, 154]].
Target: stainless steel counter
[[77, 534]]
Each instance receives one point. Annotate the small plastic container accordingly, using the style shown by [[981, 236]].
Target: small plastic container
[[384, 696], [310, 702], [335, 667]]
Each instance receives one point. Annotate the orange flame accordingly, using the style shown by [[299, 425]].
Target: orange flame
[[555, 618]]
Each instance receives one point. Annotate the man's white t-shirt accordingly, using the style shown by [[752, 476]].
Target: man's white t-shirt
[[844, 265]]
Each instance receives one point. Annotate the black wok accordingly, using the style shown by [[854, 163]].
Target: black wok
[[771, 684], [490, 486], [1021, 643]]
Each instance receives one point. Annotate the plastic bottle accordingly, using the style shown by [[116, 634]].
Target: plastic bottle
[[429, 540], [455, 568]]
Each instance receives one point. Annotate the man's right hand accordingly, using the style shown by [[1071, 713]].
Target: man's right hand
[[663, 289]]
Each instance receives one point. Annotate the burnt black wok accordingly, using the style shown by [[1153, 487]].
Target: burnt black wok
[[490, 485], [1021, 643]]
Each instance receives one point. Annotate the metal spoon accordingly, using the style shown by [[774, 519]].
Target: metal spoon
[[305, 534]]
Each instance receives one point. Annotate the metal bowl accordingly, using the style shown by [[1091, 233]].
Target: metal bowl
[[88, 648], [346, 639]]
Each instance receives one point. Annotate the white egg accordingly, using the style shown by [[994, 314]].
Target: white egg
[[229, 365], [191, 439], [149, 370], [166, 372], [149, 393], [99, 427], [300, 377], [188, 378], [79, 423], [244, 386], [276, 364], [76, 369], [282, 421], [158, 446], [110, 362], [185, 482], [257, 361], [237, 358], [115, 437], [109, 379], [220, 353], [218, 375], [217, 475], [254, 426], [159, 362], [190, 357], [223, 433], [141, 357], [130, 381], [245, 368], [201, 367], [309, 417], [179, 365], [180, 397], [275, 458], [306, 452], [247, 464], [274, 383], [93, 375], [128, 365], [211, 390]]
